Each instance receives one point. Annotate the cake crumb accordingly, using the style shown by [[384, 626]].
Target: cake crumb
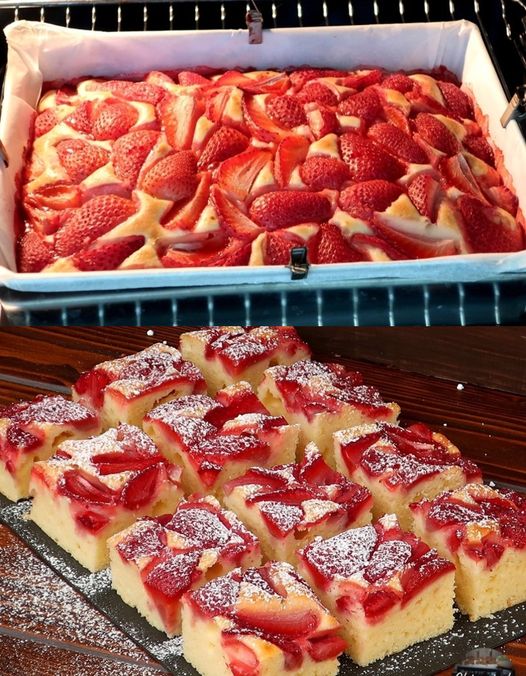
[[150, 332], [460, 386]]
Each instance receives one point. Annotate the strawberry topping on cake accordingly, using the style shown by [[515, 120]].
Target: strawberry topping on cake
[[182, 170]]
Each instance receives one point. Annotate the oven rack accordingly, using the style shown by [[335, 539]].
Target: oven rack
[[503, 26]]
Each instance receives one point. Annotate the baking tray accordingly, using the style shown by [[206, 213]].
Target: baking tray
[[424, 658], [37, 52]]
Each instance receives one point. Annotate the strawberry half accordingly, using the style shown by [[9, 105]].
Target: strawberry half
[[365, 105], [241, 659], [319, 172], [291, 151], [81, 118], [236, 252], [367, 160], [224, 143], [179, 116], [299, 78], [478, 146], [34, 253], [287, 111], [90, 221], [371, 247], [259, 123], [278, 245], [108, 255], [172, 178], [112, 119], [436, 133], [145, 92], [45, 122], [233, 221], [184, 217], [361, 200], [322, 120], [281, 209], [489, 229], [399, 81], [456, 100], [129, 153], [362, 79], [237, 174], [80, 158], [87, 489], [425, 193], [413, 246], [285, 623], [325, 647], [139, 490], [187, 78], [334, 248], [398, 143], [319, 93]]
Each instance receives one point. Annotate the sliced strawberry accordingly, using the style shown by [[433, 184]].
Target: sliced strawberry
[[236, 252], [81, 118], [366, 160], [278, 245], [281, 209], [319, 172], [140, 489], [108, 255], [378, 602], [456, 100], [325, 647], [87, 489], [145, 92], [457, 171], [413, 246], [224, 143], [179, 116], [90, 221], [397, 142], [216, 100], [424, 191], [189, 78], [237, 174], [436, 133], [361, 79], [56, 196], [478, 146], [423, 103], [361, 200], [172, 178], [129, 153], [80, 158], [91, 521], [259, 123], [290, 153], [319, 93], [287, 111], [261, 84], [502, 197], [112, 119], [365, 105], [299, 78], [233, 221], [34, 253], [396, 117], [489, 229], [159, 78], [45, 122], [333, 247], [241, 659], [369, 245], [399, 81], [284, 623], [184, 217], [321, 120]]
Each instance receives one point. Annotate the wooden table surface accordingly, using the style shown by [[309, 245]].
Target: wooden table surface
[[48, 629]]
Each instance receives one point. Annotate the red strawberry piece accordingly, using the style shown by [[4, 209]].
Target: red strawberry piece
[[378, 602], [367, 245], [172, 178], [478, 146], [140, 489], [366, 160], [261, 84], [90, 221], [325, 647], [237, 174], [259, 123], [80, 158], [320, 172], [424, 191], [436, 133], [278, 245], [422, 103], [179, 116], [56, 197], [224, 143], [458, 103], [284, 623], [172, 575], [291, 151], [361, 200], [486, 229], [286, 110], [129, 153], [114, 463], [45, 122], [458, 173], [159, 78], [108, 255], [81, 118], [334, 248], [87, 489], [413, 246], [112, 119], [91, 521], [361, 79], [233, 221], [502, 197], [398, 143], [216, 100], [189, 78], [241, 659], [34, 253], [145, 92], [281, 209], [236, 252], [365, 105], [319, 93], [399, 81], [299, 78], [184, 217], [396, 117], [322, 121]]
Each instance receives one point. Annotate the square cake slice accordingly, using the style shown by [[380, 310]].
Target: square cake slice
[[216, 440], [386, 587], [228, 354], [31, 431], [321, 399], [400, 466], [482, 530], [94, 488], [289, 505], [260, 622], [123, 390], [156, 560]]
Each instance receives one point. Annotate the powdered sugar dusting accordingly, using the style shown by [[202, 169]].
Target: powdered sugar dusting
[[344, 554], [47, 409]]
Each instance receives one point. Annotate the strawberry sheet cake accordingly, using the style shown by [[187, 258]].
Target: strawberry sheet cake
[[236, 168]]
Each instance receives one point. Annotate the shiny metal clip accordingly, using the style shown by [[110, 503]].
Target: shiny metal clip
[[254, 20], [3, 155], [516, 109], [299, 262]]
